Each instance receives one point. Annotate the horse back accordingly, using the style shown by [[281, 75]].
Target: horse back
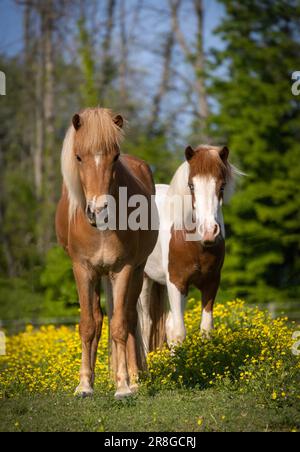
[[141, 171]]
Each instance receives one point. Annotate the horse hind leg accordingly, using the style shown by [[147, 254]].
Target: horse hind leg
[[132, 316], [107, 283], [98, 319]]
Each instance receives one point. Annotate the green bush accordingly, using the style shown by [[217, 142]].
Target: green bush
[[19, 300], [58, 282], [248, 351]]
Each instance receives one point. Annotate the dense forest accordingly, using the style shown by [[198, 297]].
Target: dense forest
[[79, 53]]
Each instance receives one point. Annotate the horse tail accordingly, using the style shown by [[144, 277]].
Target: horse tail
[[159, 316], [152, 315]]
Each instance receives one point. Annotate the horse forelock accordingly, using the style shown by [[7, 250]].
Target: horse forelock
[[98, 133], [208, 163]]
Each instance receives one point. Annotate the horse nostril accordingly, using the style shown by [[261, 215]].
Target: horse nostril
[[101, 209], [216, 230], [201, 230], [90, 213]]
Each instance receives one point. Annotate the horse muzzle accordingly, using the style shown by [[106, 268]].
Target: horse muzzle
[[210, 236], [96, 216]]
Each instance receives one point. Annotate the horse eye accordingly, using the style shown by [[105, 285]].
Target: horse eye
[[192, 188], [223, 188], [79, 158], [116, 158]]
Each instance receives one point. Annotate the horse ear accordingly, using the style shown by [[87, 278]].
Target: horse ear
[[224, 154], [119, 121], [76, 122], [189, 153]]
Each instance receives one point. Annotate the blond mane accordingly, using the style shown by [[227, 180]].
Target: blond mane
[[98, 134]]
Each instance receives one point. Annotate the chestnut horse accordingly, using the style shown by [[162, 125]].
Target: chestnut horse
[[181, 258], [93, 169]]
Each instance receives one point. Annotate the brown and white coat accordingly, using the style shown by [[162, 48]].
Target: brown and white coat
[[185, 257]]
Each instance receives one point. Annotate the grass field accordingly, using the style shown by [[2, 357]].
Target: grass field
[[245, 378], [169, 411]]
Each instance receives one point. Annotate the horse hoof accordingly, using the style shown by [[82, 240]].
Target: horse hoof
[[134, 388], [83, 393], [123, 393], [206, 334]]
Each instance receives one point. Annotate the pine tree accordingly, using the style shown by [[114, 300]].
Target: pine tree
[[259, 119]]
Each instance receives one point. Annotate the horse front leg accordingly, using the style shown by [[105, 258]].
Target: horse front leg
[[98, 319], [209, 294], [176, 332], [144, 321], [88, 328], [120, 329]]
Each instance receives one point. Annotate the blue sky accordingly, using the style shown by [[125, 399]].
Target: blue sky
[[146, 62], [11, 25]]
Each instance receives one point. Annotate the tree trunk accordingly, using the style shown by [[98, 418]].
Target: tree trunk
[[47, 19], [28, 88], [48, 31], [194, 56], [164, 84], [106, 48], [39, 121], [124, 54], [200, 62]]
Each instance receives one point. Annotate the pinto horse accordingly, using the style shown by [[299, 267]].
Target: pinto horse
[[93, 169], [181, 258]]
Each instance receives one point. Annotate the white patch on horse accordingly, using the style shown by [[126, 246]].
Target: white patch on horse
[[97, 160], [94, 203], [207, 323], [175, 327], [207, 202], [157, 267]]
